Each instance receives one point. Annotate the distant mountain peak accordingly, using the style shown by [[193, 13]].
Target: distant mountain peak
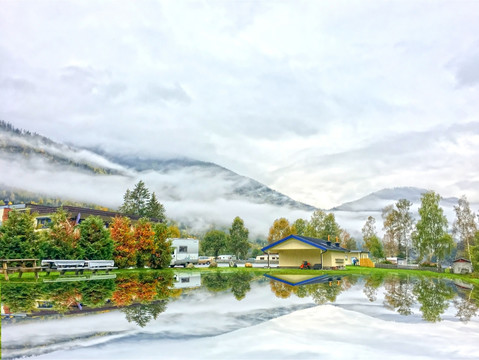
[[376, 201]]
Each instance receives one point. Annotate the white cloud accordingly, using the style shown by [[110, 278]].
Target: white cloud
[[254, 86]]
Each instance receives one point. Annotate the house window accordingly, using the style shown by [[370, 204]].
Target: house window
[[339, 261], [185, 280], [183, 249]]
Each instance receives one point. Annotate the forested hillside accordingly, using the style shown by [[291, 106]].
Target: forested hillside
[[16, 196]]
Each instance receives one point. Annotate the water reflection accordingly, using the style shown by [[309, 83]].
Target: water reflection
[[143, 296], [322, 288], [145, 293], [136, 314], [400, 293], [237, 282]]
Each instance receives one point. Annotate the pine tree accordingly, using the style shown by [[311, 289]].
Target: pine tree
[[18, 239], [155, 210], [95, 242], [139, 202]]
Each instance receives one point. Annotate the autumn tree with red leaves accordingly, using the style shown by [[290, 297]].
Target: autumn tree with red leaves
[[143, 236], [125, 250]]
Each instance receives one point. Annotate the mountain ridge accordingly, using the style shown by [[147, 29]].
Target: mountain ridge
[[16, 142]]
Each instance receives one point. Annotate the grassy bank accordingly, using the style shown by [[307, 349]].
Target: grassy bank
[[350, 270]]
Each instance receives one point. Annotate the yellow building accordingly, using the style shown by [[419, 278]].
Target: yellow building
[[293, 250]]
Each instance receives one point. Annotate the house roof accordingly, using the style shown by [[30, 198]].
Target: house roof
[[84, 212], [461, 260], [318, 243]]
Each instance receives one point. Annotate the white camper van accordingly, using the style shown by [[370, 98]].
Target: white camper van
[[184, 251], [226, 257]]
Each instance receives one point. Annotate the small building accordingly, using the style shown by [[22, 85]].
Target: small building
[[293, 250], [396, 260], [359, 255], [461, 266], [43, 214]]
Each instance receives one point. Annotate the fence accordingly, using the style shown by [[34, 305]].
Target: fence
[[406, 267]]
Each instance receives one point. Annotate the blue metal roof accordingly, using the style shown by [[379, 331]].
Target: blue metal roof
[[319, 243], [313, 280]]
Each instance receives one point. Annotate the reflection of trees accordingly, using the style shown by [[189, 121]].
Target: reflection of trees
[[466, 303], [63, 295], [398, 295], [466, 308], [142, 287], [373, 282], [20, 297], [322, 293], [216, 281], [433, 295], [142, 314], [301, 291], [96, 293], [240, 284], [348, 281], [280, 289]]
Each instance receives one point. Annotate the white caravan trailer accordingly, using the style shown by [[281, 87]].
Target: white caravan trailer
[[187, 280], [184, 251]]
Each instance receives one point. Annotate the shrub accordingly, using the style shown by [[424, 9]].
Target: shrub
[[386, 262], [428, 264]]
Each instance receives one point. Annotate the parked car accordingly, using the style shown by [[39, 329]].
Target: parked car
[[205, 260]]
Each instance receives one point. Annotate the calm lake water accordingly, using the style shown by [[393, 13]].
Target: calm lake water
[[183, 315]]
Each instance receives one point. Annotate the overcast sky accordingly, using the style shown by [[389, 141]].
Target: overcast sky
[[325, 101]]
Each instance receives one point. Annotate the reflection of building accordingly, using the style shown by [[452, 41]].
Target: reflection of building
[[297, 280], [293, 250], [187, 280]]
